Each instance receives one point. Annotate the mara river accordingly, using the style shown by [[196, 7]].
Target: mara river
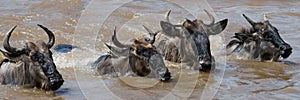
[[86, 24]]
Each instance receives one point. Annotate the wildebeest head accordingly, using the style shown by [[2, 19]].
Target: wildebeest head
[[265, 36], [267, 32], [37, 58], [196, 35], [143, 56]]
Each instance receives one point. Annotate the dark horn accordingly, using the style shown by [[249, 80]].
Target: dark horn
[[6, 44], [249, 20], [148, 30], [9, 55], [167, 16], [152, 34], [6, 54], [118, 51], [211, 17], [117, 42], [50, 35]]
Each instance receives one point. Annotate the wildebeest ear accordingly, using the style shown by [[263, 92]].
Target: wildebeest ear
[[169, 29], [217, 27], [118, 51]]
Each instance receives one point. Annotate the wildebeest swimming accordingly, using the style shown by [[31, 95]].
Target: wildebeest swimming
[[139, 57], [189, 43], [31, 65], [262, 41]]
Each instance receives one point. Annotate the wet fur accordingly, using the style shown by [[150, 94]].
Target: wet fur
[[189, 42], [136, 62], [31, 65], [261, 41]]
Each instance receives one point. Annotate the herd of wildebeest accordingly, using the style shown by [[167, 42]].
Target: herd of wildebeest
[[186, 43]]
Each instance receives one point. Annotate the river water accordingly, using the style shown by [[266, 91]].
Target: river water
[[88, 23]]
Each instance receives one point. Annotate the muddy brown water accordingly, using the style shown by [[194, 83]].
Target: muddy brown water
[[79, 22]]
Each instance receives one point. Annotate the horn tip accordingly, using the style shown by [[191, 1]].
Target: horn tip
[[145, 27], [11, 30], [14, 27], [39, 25], [169, 11], [114, 31]]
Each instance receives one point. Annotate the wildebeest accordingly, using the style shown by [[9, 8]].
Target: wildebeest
[[30, 65], [189, 43], [262, 41], [140, 57]]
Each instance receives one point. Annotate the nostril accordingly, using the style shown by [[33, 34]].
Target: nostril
[[288, 47], [206, 67], [166, 77], [61, 80], [282, 47], [56, 80]]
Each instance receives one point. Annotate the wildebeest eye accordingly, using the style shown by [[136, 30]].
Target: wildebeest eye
[[140, 50], [268, 35], [147, 40], [36, 56]]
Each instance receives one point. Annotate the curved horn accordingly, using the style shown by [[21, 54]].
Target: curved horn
[[9, 55], [167, 19], [118, 51], [211, 17], [117, 42], [152, 35], [249, 20], [6, 44], [50, 35], [6, 54], [167, 16]]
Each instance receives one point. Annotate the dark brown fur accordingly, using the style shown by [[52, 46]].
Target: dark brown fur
[[136, 59]]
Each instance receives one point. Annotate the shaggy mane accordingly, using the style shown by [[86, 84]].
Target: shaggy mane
[[247, 31]]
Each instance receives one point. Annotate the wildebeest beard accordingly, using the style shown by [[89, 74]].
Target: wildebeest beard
[[31, 65], [262, 41], [140, 57]]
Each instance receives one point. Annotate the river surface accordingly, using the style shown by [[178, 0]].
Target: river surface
[[86, 24]]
